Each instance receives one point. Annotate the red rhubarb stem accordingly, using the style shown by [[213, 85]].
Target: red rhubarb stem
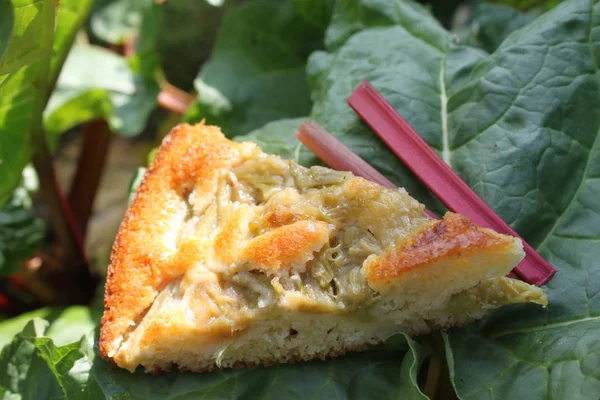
[[337, 156], [90, 165], [398, 135]]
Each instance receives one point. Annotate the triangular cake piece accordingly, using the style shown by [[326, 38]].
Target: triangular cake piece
[[230, 257]]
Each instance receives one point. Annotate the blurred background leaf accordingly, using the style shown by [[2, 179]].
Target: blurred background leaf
[[110, 90], [525, 5], [65, 324], [279, 137], [8, 19], [486, 25], [188, 31], [119, 20], [27, 60], [23, 74], [20, 231], [71, 15], [36, 368], [256, 72], [252, 57]]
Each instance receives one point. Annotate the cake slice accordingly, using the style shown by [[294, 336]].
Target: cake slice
[[230, 257]]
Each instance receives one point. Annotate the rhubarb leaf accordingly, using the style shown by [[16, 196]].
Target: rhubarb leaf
[[521, 127], [119, 20], [34, 366], [66, 325], [70, 16], [402, 61], [256, 73], [28, 70], [279, 137], [552, 129], [24, 62], [317, 12], [137, 21], [186, 36], [111, 90], [376, 374]]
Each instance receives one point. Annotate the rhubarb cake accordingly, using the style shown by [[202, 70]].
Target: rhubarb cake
[[231, 257]]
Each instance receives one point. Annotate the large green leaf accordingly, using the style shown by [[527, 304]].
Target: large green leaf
[[70, 16], [23, 84], [399, 48], [521, 127], [184, 35], [552, 354], [96, 83], [33, 366], [145, 61], [28, 71], [119, 20], [279, 137], [316, 12], [257, 70], [66, 325], [378, 374]]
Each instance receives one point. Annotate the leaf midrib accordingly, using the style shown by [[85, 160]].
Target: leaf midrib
[[446, 153], [545, 327]]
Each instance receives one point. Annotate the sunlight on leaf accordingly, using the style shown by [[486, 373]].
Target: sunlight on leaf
[[119, 20], [7, 20], [66, 324], [23, 78], [215, 3], [256, 71], [110, 90]]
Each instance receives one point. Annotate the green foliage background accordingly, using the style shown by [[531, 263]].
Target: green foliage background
[[507, 93]]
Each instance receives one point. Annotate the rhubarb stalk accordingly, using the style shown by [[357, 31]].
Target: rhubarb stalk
[[337, 156], [438, 176]]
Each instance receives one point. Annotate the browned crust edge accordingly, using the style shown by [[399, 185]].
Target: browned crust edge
[[187, 155], [323, 355], [192, 154], [454, 236]]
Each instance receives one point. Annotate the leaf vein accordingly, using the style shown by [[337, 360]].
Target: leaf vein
[[546, 327]]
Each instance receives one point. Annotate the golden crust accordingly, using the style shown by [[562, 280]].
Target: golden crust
[[233, 233], [454, 237], [153, 248], [287, 245], [290, 359], [189, 155]]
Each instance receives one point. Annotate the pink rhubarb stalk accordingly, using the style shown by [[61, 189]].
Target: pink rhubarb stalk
[[399, 136], [337, 156]]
